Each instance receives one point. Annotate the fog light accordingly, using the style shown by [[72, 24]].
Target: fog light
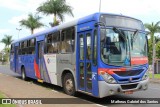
[[111, 92], [145, 76], [108, 78]]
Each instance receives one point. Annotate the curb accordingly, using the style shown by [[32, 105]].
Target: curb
[[154, 81]]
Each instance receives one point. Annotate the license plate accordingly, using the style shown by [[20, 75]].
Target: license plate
[[128, 92]]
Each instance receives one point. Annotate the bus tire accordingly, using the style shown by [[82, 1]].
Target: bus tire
[[69, 84], [23, 74]]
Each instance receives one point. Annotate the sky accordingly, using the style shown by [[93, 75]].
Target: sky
[[12, 11]]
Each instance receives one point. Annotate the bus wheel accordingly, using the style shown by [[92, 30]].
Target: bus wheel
[[23, 74], [68, 84]]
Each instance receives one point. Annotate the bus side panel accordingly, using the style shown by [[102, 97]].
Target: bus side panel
[[44, 68], [65, 62], [28, 62], [56, 64]]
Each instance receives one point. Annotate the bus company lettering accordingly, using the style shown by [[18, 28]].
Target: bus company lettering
[[14, 101], [51, 60], [64, 61], [84, 28]]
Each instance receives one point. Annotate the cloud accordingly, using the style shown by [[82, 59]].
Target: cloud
[[39, 30], [141, 9], [2, 31], [21, 5], [15, 20], [13, 4]]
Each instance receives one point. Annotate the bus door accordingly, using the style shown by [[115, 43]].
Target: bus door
[[84, 62], [16, 59], [40, 58]]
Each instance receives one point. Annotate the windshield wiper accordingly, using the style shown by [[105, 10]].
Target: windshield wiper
[[116, 30], [135, 34]]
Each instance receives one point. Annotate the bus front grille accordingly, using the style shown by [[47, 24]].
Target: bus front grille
[[130, 86], [128, 73]]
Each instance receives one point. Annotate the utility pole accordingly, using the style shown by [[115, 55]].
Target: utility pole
[[19, 29], [100, 6]]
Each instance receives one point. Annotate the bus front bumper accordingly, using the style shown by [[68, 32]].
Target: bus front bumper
[[106, 89]]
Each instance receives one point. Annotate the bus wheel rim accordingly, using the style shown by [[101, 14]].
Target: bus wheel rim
[[69, 85], [23, 76]]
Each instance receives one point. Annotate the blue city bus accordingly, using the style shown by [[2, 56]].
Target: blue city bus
[[101, 55]]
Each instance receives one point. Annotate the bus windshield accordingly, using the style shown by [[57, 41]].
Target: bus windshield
[[118, 47]]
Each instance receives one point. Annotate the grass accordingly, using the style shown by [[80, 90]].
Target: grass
[[157, 76], [5, 105]]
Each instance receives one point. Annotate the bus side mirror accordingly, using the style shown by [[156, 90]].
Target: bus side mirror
[[147, 44], [147, 33]]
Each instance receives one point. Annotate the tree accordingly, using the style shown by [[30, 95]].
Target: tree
[[7, 40], [158, 50], [153, 28], [32, 22], [58, 8]]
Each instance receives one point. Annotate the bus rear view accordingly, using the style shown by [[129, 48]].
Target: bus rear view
[[122, 62]]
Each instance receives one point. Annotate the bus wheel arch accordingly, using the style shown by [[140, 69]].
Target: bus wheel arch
[[23, 73], [68, 82]]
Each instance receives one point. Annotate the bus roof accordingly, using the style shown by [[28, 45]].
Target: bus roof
[[88, 18]]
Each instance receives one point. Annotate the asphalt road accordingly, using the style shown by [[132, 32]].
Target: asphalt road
[[152, 92]]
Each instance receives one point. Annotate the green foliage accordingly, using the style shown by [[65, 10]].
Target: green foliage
[[150, 51], [7, 40], [32, 22], [6, 55], [157, 41], [56, 7], [158, 50], [157, 76], [153, 28], [6, 105]]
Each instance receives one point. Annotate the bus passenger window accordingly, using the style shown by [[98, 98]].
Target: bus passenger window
[[88, 46], [12, 50], [52, 43], [50, 48], [81, 47], [55, 43], [49, 38], [68, 39], [95, 48], [24, 47], [31, 46]]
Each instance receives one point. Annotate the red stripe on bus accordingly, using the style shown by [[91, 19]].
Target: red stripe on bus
[[110, 71], [139, 60], [36, 68]]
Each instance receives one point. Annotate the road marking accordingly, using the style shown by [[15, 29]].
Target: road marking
[[54, 91], [100, 105], [93, 103]]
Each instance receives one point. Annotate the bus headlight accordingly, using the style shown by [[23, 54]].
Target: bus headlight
[[108, 78], [145, 76]]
